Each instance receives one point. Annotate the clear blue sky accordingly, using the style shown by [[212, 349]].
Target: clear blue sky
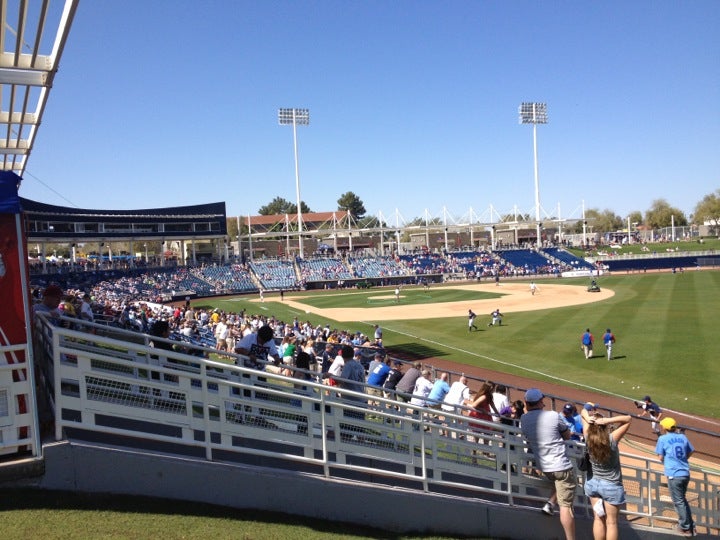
[[414, 105]]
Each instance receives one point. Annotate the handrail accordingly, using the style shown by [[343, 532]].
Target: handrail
[[110, 383]]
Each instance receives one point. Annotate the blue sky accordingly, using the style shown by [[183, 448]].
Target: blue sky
[[413, 106]]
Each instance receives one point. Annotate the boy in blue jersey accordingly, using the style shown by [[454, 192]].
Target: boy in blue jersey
[[675, 450]]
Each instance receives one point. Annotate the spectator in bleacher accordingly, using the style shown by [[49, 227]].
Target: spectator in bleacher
[[259, 347], [378, 360], [406, 385], [482, 403], [221, 335], [392, 379], [500, 400], [510, 415], [421, 390], [674, 450], [67, 306], [352, 378], [301, 370], [378, 372], [573, 420], [327, 358], [605, 489], [546, 433], [284, 343], [456, 396], [50, 301], [439, 390], [335, 369], [161, 329], [86, 312]]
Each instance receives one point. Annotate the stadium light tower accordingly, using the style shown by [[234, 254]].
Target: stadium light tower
[[535, 113], [296, 117]]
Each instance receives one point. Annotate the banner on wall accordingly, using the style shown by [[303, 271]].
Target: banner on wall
[[13, 284]]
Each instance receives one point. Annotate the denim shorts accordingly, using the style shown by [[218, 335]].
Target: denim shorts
[[608, 491]]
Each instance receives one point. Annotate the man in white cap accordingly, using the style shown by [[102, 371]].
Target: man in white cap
[[546, 433]]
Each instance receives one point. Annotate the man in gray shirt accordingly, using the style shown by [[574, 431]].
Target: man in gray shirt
[[546, 433], [352, 378]]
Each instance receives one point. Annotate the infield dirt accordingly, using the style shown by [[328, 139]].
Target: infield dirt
[[516, 297]]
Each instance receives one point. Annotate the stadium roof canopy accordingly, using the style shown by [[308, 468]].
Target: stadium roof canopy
[[33, 34]]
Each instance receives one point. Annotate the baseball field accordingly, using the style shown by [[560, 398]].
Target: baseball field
[[665, 324]]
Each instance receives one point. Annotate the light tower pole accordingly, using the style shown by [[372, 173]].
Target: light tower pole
[[296, 117], [535, 113]]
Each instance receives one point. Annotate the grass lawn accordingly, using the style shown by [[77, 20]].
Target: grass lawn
[[665, 325], [30, 513]]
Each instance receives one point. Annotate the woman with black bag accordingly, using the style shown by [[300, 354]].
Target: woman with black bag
[[605, 488]]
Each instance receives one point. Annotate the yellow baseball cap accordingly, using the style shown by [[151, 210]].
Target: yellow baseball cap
[[668, 423]]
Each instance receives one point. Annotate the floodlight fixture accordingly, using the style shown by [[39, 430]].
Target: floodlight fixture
[[294, 118], [299, 117], [535, 113]]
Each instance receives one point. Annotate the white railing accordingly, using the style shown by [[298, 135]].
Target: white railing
[[18, 421], [112, 384]]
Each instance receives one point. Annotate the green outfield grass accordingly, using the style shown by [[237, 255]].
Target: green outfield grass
[[34, 513], [665, 324]]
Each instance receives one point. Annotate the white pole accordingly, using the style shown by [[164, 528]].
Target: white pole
[[239, 248], [629, 237], [287, 236], [560, 233], [446, 229], [672, 227], [537, 181], [297, 188], [427, 229], [250, 239]]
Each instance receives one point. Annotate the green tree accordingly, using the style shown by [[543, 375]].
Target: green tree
[[512, 218], [708, 211], [421, 222], [282, 206], [605, 221], [371, 222], [352, 204], [635, 217], [232, 227], [661, 214]]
